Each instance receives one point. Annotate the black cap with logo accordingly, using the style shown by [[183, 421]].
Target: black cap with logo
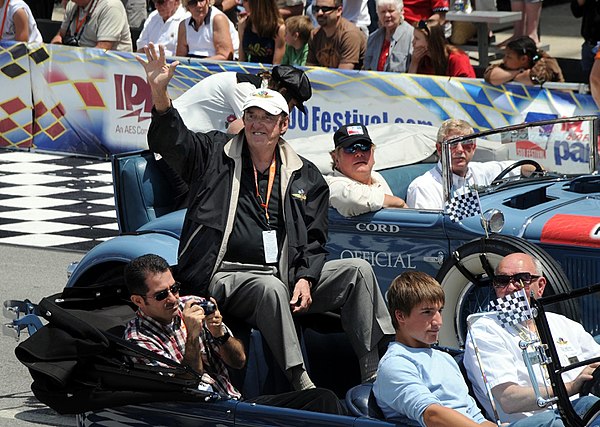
[[351, 134]]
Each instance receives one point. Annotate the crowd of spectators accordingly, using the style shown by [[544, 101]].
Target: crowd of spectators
[[410, 35]]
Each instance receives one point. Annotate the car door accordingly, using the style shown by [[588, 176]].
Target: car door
[[391, 240]]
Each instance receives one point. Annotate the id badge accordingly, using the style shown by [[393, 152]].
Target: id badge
[[270, 246]]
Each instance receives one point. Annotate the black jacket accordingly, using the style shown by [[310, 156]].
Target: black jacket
[[211, 165], [590, 24]]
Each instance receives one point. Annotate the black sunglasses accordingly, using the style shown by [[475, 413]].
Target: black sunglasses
[[174, 289], [356, 147], [326, 9], [519, 279]]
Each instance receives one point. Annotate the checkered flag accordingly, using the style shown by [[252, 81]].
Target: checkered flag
[[512, 309], [463, 206]]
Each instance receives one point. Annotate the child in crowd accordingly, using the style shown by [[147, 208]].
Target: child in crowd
[[297, 33]]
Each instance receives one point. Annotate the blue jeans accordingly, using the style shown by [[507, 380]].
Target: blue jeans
[[588, 51], [551, 418]]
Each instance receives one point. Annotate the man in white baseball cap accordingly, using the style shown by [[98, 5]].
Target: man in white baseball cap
[[255, 230]]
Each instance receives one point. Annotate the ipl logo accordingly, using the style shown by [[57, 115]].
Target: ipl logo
[[132, 94]]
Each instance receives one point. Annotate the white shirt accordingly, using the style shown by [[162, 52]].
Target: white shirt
[[201, 42], [352, 198], [213, 102], [158, 31], [357, 12], [502, 359], [427, 190], [9, 24]]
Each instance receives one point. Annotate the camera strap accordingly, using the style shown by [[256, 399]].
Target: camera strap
[[4, 18], [81, 23]]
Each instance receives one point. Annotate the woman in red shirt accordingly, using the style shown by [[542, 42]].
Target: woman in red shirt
[[433, 55]]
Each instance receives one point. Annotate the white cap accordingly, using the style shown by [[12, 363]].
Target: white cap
[[269, 100]]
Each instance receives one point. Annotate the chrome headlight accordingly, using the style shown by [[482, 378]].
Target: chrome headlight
[[492, 220]]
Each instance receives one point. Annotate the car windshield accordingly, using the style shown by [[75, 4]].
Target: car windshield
[[562, 147]]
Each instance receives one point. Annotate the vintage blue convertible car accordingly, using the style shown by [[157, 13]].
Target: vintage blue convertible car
[[552, 215], [554, 212]]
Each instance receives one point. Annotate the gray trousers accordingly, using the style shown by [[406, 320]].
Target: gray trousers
[[262, 300]]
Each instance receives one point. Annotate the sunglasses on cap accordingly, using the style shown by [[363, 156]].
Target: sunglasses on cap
[[359, 146], [325, 9], [174, 289], [519, 279], [422, 25]]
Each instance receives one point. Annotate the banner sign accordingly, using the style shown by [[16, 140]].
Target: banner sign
[[96, 102]]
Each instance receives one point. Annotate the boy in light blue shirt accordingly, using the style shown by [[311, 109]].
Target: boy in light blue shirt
[[416, 384], [419, 385]]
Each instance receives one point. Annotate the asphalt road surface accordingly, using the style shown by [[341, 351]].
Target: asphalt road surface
[[27, 273]]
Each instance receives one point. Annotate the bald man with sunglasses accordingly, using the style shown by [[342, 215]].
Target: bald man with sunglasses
[[501, 358], [354, 187], [426, 191]]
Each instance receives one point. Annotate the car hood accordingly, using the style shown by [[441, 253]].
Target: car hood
[[557, 213]]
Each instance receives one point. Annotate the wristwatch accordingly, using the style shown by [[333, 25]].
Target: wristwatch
[[222, 339]]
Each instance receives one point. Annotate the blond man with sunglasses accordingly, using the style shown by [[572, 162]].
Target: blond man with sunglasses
[[426, 191], [501, 357], [354, 187]]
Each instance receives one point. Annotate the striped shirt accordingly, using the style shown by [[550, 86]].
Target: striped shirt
[[169, 341]]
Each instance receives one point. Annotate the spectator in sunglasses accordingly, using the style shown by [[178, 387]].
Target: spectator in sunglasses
[[337, 43], [162, 25], [502, 360], [354, 187], [426, 191], [190, 330], [524, 63]]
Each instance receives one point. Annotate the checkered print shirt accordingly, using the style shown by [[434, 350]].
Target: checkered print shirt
[[169, 341]]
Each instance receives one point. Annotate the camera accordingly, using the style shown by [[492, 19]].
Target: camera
[[70, 41], [207, 306]]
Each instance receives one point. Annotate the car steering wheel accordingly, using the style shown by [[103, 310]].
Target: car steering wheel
[[519, 163], [592, 386]]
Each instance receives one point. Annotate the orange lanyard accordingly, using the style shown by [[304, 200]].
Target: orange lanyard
[[4, 19], [80, 22], [272, 171]]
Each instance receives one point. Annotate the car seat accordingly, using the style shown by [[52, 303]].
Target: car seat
[[361, 402]]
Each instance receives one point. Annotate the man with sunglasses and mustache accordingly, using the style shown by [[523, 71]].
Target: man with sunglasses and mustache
[[337, 42], [190, 330], [501, 357], [426, 191], [354, 187]]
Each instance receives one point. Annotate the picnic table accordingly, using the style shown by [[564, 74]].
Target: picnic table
[[482, 20]]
